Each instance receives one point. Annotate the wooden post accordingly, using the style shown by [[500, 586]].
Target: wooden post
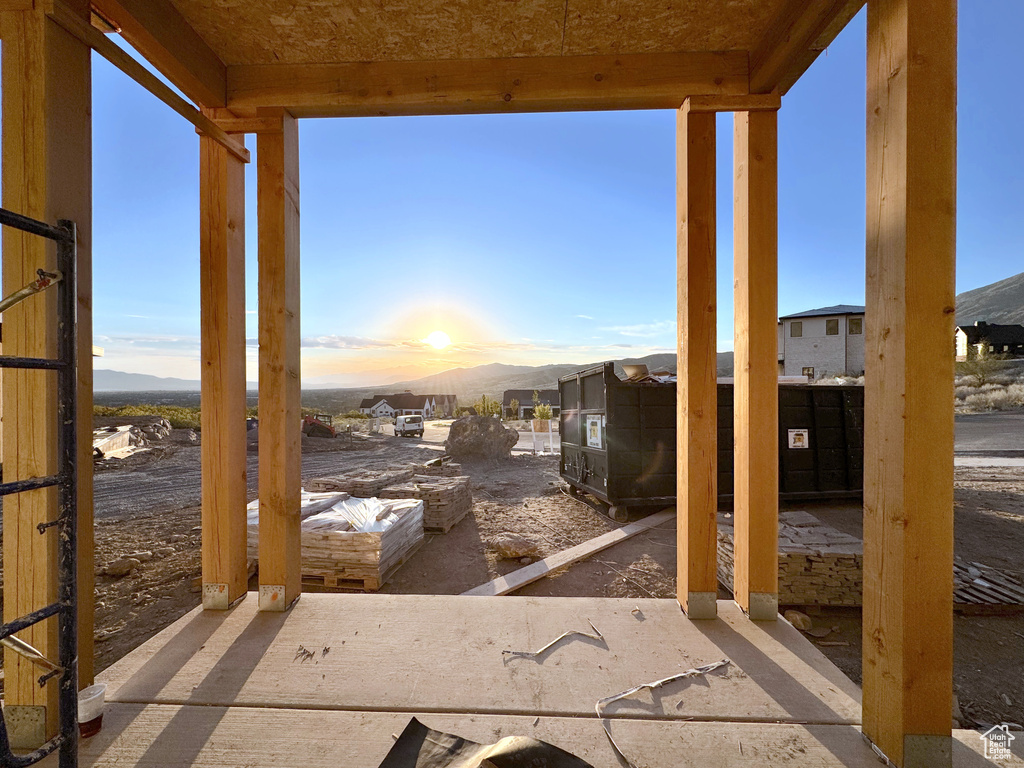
[[756, 393], [47, 174], [908, 447], [222, 297], [277, 158], [697, 418]]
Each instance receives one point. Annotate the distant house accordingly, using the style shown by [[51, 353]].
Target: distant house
[[525, 399], [990, 337], [444, 405], [401, 404], [822, 342]]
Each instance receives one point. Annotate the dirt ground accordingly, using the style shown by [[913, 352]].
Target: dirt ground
[[148, 507]]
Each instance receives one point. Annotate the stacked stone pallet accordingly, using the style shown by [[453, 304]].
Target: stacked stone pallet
[[363, 483], [446, 500], [818, 565], [335, 557], [452, 469]]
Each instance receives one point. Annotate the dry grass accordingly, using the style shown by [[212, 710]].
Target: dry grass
[[1002, 391]]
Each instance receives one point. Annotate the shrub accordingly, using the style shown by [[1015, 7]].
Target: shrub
[[542, 411], [997, 399], [181, 417]]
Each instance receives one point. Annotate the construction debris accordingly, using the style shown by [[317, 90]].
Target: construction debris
[[572, 632], [602, 703], [421, 747], [482, 437]]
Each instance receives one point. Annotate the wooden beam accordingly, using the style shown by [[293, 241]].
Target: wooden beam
[[277, 160], [751, 102], [697, 417], [802, 30], [222, 329], [634, 81], [96, 40], [157, 31], [756, 393], [908, 445], [510, 582], [47, 174]]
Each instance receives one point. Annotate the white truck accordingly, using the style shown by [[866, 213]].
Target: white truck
[[408, 425]]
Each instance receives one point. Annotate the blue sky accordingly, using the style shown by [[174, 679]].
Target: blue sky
[[527, 238]]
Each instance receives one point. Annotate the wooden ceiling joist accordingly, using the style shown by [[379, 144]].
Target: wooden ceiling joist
[[120, 59], [802, 30], [521, 84], [166, 39]]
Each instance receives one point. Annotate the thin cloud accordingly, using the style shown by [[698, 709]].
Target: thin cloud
[[643, 330], [584, 317]]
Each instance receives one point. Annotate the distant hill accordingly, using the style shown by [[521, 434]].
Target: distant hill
[[466, 383], [118, 381], [491, 380], [1000, 302]]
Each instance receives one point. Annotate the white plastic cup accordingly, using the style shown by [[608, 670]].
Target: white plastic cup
[[90, 709]]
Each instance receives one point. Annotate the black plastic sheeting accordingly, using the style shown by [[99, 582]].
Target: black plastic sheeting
[[420, 747]]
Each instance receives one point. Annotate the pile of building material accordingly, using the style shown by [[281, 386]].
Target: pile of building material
[[362, 483], [437, 468], [446, 500], [818, 565], [350, 542]]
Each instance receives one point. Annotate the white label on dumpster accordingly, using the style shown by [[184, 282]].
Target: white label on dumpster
[[798, 438], [594, 432]]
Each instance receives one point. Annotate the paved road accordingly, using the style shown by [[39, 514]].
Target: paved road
[[1001, 432]]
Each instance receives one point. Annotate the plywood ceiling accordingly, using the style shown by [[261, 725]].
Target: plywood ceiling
[[329, 31]]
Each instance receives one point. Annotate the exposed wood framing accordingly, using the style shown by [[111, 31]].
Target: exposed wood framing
[[47, 174], [96, 40], [802, 31], [756, 398], [908, 462], [158, 32], [222, 298], [277, 159], [752, 102], [697, 418], [636, 81]]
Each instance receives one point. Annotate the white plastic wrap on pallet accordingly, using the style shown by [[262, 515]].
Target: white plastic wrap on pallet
[[341, 512]]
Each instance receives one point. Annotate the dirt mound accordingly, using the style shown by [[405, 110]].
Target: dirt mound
[[480, 437]]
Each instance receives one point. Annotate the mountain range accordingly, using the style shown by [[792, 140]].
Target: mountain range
[[999, 302], [468, 384]]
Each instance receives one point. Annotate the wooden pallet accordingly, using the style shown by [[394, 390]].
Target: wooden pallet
[[324, 581], [981, 589]]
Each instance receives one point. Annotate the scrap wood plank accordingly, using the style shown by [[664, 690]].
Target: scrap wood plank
[[520, 578]]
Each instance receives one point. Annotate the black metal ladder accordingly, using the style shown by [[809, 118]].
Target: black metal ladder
[[66, 482]]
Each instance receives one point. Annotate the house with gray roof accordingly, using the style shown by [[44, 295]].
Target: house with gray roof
[[828, 341]]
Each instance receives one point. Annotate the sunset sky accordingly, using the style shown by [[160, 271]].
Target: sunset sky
[[527, 239]]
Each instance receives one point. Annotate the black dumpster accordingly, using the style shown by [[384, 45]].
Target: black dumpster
[[619, 440]]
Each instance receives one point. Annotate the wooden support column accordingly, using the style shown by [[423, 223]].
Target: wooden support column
[[277, 159], [756, 393], [908, 446], [47, 174], [697, 418], [222, 295]]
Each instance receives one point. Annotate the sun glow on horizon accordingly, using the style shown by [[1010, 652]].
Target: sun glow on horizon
[[438, 339]]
